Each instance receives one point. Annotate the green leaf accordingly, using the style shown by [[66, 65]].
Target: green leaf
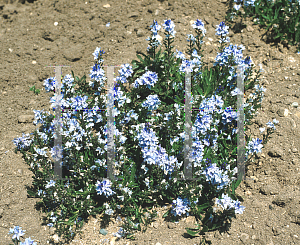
[[73, 218], [192, 233], [31, 193], [234, 185], [140, 58], [166, 214], [215, 226], [279, 35], [203, 206]]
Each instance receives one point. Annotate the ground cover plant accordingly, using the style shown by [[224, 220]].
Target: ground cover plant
[[280, 17], [152, 157]]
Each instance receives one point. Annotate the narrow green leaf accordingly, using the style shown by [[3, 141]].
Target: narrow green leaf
[[166, 214], [31, 193], [192, 233]]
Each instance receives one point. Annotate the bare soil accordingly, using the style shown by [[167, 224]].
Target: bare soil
[[30, 41]]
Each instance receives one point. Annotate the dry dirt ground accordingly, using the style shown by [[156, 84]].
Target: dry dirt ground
[[30, 41]]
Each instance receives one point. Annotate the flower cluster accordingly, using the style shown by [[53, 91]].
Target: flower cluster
[[217, 177], [156, 39], [227, 203], [18, 232], [148, 142], [23, 142], [104, 187], [180, 206], [149, 79]]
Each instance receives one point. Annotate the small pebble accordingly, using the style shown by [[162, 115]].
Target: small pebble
[[295, 104]]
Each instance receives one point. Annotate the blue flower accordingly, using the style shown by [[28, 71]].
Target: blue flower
[[98, 53], [155, 37], [180, 55], [28, 241], [271, 125], [236, 91], [215, 176], [104, 187], [50, 183], [227, 203], [17, 231], [169, 27], [49, 84], [180, 206], [254, 146], [237, 7], [222, 59], [149, 79], [222, 29], [78, 102], [97, 73], [125, 72], [186, 66], [41, 152], [152, 102], [238, 208], [229, 115], [23, 142], [191, 38], [39, 116], [155, 28], [249, 2], [198, 24]]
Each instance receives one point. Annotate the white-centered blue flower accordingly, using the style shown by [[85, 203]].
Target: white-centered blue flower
[[227, 203], [254, 146], [262, 130], [249, 3], [149, 79], [23, 142], [17, 231], [237, 7], [50, 184], [169, 27], [104, 188], [155, 28], [198, 24], [236, 91], [180, 206], [270, 125], [152, 102], [28, 241]]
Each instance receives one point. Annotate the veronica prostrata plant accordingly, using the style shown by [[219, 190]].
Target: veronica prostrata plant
[[150, 161]]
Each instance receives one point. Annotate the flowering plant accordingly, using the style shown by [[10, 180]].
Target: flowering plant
[[149, 164], [281, 17]]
